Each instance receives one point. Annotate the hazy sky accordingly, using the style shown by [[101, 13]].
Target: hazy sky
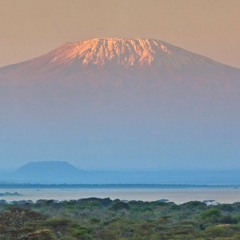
[[29, 28]]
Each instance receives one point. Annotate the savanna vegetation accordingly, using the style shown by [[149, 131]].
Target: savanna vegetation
[[111, 220]]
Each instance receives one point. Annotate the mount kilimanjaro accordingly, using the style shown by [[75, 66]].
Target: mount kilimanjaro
[[119, 59], [120, 102]]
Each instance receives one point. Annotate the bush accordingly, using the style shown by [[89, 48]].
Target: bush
[[211, 215]]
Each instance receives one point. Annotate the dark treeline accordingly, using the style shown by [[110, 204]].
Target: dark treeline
[[108, 219], [156, 186]]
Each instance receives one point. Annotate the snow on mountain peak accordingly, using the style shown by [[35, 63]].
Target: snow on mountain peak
[[127, 52]]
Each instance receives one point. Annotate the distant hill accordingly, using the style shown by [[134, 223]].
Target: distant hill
[[60, 172], [47, 172]]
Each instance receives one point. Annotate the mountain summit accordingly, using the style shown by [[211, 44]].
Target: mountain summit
[[119, 51]]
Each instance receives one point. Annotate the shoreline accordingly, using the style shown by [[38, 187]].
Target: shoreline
[[176, 195]]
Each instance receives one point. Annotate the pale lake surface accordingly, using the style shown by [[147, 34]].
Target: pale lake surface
[[179, 195]]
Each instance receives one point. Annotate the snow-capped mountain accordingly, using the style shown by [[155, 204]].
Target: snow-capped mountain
[[117, 100], [116, 59]]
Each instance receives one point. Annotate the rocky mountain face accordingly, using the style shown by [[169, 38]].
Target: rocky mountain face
[[120, 102]]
